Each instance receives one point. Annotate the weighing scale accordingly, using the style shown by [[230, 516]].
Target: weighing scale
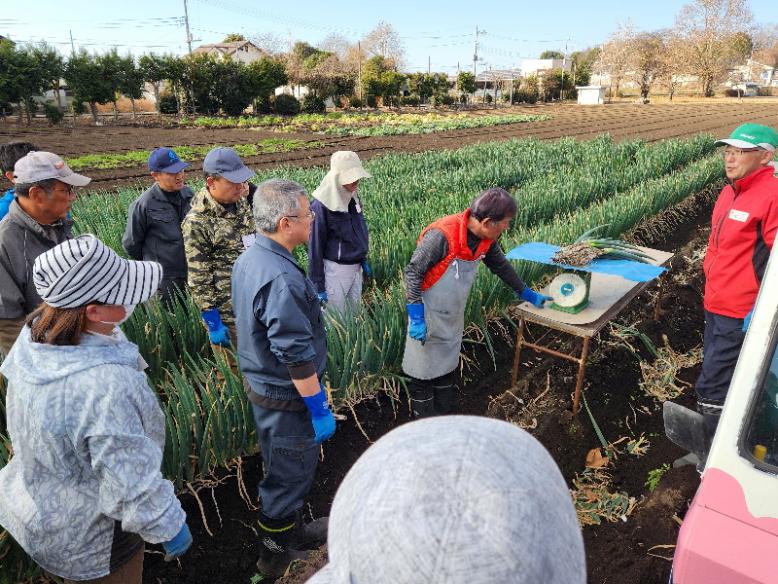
[[586, 298], [570, 291]]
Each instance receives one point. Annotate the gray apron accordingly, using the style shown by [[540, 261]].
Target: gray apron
[[444, 312]]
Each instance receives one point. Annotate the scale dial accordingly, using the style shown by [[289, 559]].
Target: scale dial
[[568, 290]]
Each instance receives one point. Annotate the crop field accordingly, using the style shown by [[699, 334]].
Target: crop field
[[652, 181], [621, 121], [379, 124]]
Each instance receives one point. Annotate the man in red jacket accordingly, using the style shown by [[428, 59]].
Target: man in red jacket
[[744, 224]]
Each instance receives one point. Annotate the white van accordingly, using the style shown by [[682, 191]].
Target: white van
[[730, 533]]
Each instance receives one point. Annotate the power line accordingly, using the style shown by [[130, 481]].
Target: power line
[[171, 21], [515, 40], [96, 43], [265, 16]]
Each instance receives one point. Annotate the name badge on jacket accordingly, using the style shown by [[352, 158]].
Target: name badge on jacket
[[736, 215]]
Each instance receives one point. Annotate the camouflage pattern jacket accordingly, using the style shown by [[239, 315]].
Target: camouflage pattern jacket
[[214, 237]]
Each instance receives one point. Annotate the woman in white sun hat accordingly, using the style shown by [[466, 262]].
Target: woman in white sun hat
[[338, 244], [84, 491]]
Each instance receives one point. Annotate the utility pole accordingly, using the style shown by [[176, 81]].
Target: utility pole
[[429, 65], [562, 84], [186, 24], [72, 44], [475, 51]]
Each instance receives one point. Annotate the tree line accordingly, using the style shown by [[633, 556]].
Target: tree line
[[197, 83], [709, 39]]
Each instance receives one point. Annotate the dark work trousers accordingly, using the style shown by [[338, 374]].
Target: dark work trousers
[[290, 456], [433, 397], [130, 572], [721, 348]]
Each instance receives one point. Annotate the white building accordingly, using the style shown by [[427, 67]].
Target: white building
[[242, 51], [535, 66], [753, 72], [591, 94]]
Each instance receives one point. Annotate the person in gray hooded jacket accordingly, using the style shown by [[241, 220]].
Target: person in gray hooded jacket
[[83, 490], [457, 499]]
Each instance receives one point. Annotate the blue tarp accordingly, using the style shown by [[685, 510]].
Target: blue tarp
[[543, 252]]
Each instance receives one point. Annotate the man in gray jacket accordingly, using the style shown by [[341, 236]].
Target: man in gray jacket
[[153, 230], [282, 349], [37, 221]]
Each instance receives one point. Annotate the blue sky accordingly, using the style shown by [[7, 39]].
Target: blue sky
[[443, 32]]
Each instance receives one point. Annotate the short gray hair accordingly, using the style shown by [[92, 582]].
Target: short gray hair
[[276, 198], [23, 189]]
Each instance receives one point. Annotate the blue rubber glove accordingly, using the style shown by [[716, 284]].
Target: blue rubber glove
[[366, 269], [179, 544], [534, 298], [747, 321], [321, 416], [417, 326], [217, 332], [323, 298]]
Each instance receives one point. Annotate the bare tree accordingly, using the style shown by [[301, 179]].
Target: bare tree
[[672, 62], [710, 31], [383, 41], [645, 52], [765, 39], [269, 42], [336, 44], [615, 55]]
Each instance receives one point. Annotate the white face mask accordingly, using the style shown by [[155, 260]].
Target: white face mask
[[128, 309]]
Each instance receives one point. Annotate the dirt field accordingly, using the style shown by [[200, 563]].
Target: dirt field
[[617, 553], [623, 120]]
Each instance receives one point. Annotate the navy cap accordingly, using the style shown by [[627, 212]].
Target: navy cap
[[165, 160], [226, 162]]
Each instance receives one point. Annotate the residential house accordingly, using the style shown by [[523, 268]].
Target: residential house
[[242, 51]]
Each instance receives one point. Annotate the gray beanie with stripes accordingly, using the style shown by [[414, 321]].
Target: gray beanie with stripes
[[83, 270], [454, 499]]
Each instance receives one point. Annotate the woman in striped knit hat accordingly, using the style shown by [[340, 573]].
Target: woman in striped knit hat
[[84, 491]]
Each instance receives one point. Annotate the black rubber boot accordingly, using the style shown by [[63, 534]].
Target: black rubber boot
[[275, 551], [308, 535], [422, 398], [711, 415], [444, 398]]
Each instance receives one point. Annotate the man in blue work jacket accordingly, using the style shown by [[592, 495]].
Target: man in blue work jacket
[[282, 349], [153, 231]]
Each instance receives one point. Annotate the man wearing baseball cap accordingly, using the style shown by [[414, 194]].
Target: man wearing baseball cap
[[37, 221], [219, 227], [153, 230], [744, 225]]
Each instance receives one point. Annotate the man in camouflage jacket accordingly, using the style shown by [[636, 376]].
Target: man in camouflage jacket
[[217, 229]]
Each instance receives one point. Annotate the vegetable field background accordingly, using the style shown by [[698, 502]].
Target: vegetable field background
[[563, 188], [621, 121]]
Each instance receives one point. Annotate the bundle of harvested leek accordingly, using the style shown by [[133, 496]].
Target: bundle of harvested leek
[[587, 248]]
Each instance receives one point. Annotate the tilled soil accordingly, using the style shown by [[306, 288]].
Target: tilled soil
[[635, 551], [621, 120]]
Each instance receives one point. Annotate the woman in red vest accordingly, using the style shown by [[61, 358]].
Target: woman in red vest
[[437, 284]]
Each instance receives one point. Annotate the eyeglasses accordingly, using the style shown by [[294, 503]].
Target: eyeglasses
[[738, 152], [309, 215], [64, 188]]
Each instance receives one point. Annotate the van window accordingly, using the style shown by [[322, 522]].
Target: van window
[[762, 434]]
